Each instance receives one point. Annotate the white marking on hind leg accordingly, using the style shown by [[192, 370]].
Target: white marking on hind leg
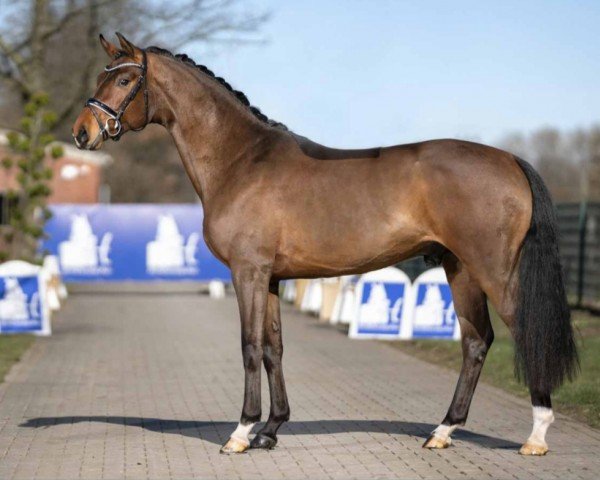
[[542, 419], [444, 431]]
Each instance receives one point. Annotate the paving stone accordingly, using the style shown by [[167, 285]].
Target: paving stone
[[135, 385]]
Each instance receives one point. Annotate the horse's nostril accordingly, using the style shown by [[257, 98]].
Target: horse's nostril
[[82, 137]]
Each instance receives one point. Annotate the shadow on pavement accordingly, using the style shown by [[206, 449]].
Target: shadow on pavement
[[217, 432]]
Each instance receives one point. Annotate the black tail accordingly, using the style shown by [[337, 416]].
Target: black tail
[[545, 349]]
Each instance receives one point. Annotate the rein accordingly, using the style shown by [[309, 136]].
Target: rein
[[113, 128]]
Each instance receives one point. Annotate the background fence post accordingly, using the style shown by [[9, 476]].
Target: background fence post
[[581, 250]]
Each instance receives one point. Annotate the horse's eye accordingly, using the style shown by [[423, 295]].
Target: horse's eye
[[123, 82]]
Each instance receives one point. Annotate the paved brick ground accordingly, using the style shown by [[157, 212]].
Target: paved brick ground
[[145, 385]]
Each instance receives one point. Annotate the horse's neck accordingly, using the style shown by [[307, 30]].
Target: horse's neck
[[211, 128]]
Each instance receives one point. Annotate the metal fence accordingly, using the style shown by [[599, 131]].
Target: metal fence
[[579, 225], [579, 228]]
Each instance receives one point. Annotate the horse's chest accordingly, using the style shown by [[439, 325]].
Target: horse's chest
[[216, 241], [239, 234]]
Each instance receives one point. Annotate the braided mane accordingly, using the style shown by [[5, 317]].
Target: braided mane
[[182, 57]]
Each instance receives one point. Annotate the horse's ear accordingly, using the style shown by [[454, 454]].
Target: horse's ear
[[109, 48], [128, 47]]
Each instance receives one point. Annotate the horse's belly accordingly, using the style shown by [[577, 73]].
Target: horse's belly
[[310, 254]]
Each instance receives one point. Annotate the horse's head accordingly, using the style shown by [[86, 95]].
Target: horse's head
[[121, 99]]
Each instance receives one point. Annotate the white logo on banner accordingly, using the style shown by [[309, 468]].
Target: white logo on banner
[[380, 298], [377, 310], [13, 305], [430, 313], [82, 253], [168, 253], [21, 299]]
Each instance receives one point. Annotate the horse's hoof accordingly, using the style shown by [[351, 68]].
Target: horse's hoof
[[437, 442], [264, 441], [533, 449], [234, 445]]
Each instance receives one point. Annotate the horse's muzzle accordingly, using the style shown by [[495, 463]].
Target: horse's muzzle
[[81, 138]]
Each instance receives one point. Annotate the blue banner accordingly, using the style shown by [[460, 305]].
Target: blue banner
[[138, 242], [20, 305]]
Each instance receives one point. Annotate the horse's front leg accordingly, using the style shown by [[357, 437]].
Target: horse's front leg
[[273, 351], [251, 283]]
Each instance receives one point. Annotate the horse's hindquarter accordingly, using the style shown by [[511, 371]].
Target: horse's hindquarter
[[477, 197], [480, 203]]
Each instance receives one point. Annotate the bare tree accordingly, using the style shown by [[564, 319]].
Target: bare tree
[[52, 46], [585, 144], [569, 162], [594, 164]]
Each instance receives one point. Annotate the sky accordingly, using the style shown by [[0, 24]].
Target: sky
[[358, 73]]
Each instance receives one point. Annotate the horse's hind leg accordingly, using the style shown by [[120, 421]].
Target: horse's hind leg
[[505, 301], [502, 291], [272, 353], [470, 304]]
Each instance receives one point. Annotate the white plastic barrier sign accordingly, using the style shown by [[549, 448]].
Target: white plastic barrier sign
[[313, 297], [23, 306], [388, 306], [381, 298], [434, 315], [343, 307], [289, 290]]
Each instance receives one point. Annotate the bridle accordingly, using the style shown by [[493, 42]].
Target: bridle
[[113, 128]]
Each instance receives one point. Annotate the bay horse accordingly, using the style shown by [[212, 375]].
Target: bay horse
[[279, 206]]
